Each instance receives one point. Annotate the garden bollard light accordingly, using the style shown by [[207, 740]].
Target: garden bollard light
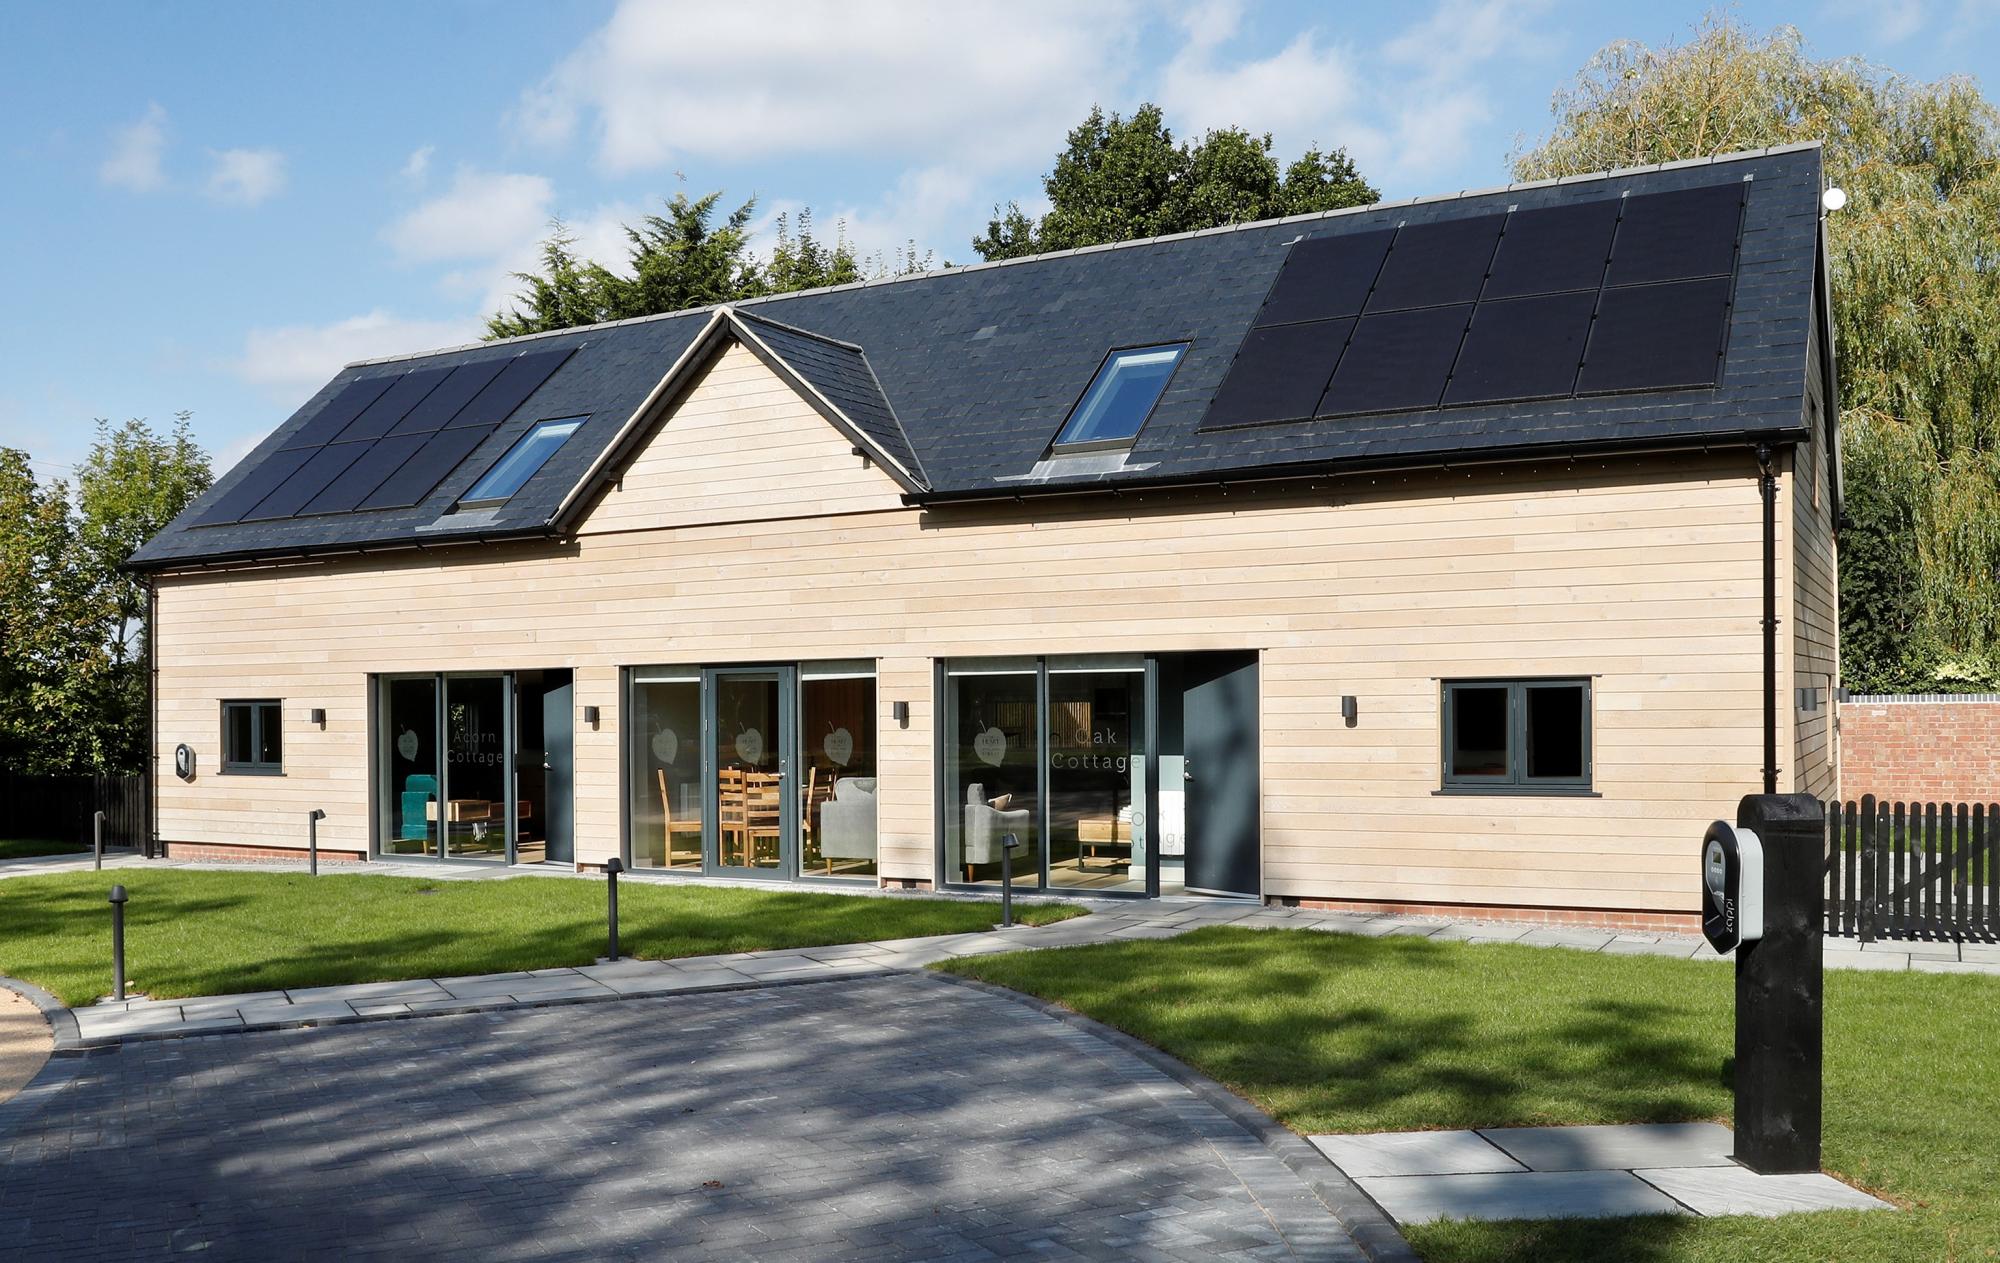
[[97, 840], [1007, 844], [313, 818], [118, 898], [612, 867]]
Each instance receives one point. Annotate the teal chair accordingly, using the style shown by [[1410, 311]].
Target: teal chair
[[418, 793]]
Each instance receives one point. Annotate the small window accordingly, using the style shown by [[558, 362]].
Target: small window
[[1517, 735], [1120, 397], [253, 738], [513, 470]]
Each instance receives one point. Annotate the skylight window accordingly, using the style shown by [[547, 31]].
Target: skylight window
[[522, 460], [1121, 397]]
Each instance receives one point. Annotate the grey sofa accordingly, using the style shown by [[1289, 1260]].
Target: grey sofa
[[986, 826], [847, 821]]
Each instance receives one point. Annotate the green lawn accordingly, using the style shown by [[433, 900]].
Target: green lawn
[[24, 848], [204, 933], [1335, 1032]]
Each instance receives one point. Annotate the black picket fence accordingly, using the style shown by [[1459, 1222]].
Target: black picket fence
[[61, 808], [1913, 870]]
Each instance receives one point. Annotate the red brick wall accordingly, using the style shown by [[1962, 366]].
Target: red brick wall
[[1942, 751]]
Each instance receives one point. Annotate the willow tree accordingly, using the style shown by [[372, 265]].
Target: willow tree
[[1915, 258]]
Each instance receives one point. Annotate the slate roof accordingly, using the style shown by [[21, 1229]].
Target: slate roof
[[963, 377]]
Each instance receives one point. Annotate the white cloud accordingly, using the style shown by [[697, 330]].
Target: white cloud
[[290, 358], [1890, 21], [418, 164], [245, 176], [136, 152], [485, 214], [760, 78]]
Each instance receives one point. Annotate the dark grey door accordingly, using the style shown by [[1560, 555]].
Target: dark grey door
[[1219, 711], [559, 763]]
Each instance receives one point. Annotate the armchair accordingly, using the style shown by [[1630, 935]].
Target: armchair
[[986, 826], [847, 822]]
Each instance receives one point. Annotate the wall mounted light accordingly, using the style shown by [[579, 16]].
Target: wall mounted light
[[902, 712], [1349, 708], [317, 715], [590, 716]]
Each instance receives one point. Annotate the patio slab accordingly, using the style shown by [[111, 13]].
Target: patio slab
[[1414, 1153], [1733, 1190], [1616, 1147], [1416, 1199]]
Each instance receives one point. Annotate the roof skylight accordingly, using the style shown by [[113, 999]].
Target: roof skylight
[[512, 471], [1120, 397]]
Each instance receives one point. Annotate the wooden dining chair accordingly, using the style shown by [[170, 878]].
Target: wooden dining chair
[[676, 830], [732, 816], [763, 814]]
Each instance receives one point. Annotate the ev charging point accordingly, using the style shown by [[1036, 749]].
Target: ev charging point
[[1763, 898]]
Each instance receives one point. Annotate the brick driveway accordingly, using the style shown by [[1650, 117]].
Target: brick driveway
[[890, 1117]]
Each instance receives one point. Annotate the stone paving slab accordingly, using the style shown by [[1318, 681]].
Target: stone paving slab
[[1416, 1199], [1616, 1146], [1414, 1153], [1733, 1190]]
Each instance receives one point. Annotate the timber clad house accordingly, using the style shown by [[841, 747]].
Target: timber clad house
[[1414, 554]]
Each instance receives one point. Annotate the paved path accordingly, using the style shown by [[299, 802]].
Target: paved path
[[885, 1117]]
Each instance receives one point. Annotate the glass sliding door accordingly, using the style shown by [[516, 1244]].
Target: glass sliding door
[[407, 760], [669, 802], [751, 740], [991, 739], [837, 740], [477, 813], [1096, 735]]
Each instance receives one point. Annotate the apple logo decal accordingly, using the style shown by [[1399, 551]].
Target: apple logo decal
[[990, 745], [839, 746], [666, 744], [406, 745], [750, 746]]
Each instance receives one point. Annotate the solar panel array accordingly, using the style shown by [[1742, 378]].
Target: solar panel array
[[387, 441], [1623, 294]]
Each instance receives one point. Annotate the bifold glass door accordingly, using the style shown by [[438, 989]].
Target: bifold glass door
[[765, 771]]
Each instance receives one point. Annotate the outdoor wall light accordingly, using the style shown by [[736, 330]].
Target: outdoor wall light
[[902, 712], [317, 715], [590, 715], [1349, 708]]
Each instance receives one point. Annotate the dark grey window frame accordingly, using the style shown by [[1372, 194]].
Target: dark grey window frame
[[1058, 447], [253, 767], [1516, 781]]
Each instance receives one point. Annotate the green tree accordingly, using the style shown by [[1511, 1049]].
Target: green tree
[[567, 292], [1119, 179], [37, 594], [1916, 303], [802, 261], [685, 259]]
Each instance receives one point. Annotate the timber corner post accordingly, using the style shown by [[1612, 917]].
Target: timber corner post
[[1780, 991]]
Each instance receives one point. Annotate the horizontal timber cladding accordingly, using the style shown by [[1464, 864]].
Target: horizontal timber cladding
[[1642, 573]]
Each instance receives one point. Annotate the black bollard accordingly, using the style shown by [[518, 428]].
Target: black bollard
[[1007, 844], [313, 818], [118, 897], [1780, 991], [97, 840], [612, 867]]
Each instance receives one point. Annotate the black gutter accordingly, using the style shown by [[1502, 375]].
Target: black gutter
[[304, 552], [1521, 454], [1767, 489]]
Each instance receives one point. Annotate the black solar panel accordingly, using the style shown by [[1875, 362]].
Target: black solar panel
[[426, 468], [1278, 373], [307, 481], [377, 418], [257, 483], [522, 376], [1522, 348], [359, 480], [1437, 263], [339, 410], [452, 394], [1553, 249], [1677, 236], [1326, 277], [1657, 337], [1397, 359]]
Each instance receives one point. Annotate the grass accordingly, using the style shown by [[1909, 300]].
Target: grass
[[206, 933], [1335, 1032], [24, 848]]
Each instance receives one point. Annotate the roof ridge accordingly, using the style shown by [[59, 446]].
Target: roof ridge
[[1743, 155], [804, 333]]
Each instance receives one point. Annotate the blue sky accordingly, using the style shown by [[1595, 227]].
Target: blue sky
[[213, 206]]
